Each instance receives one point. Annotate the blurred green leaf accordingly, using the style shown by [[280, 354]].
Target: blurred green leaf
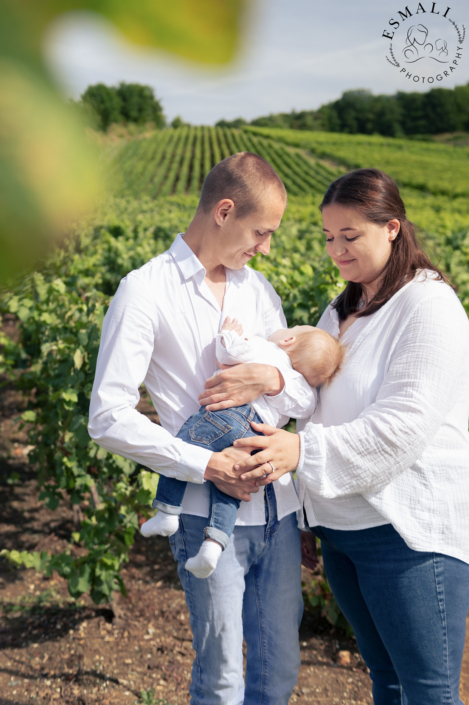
[[78, 358], [199, 30], [49, 174], [79, 580]]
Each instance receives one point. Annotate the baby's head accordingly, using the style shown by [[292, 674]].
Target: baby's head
[[313, 352]]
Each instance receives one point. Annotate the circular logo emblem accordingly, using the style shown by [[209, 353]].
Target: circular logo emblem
[[426, 42]]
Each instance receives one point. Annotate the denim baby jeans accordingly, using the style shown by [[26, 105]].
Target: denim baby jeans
[[214, 430]]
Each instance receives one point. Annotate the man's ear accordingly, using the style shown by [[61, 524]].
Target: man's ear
[[222, 210], [287, 342]]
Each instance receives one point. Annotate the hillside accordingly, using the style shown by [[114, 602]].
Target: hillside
[[176, 161], [428, 166]]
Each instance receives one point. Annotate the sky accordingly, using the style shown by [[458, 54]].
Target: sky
[[294, 54]]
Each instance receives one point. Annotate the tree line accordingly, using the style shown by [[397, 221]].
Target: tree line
[[360, 112], [103, 105], [403, 114]]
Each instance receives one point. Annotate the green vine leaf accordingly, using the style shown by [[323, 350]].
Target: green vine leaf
[[78, 358]]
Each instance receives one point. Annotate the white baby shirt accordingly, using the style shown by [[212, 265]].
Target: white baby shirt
[[238, 349]]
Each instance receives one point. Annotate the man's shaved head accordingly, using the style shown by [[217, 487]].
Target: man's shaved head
[[243, 178]]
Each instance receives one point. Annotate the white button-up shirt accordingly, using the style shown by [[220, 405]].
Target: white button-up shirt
[[160, 329], [388, 442]]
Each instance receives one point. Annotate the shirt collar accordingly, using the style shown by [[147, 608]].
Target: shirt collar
[[335, 319], [190, 265], [186, 260]]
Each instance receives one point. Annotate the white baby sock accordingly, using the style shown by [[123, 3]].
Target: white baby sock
[[162, 525], [205, 562]]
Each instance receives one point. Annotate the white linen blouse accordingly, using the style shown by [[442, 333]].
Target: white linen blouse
[[388, 441]]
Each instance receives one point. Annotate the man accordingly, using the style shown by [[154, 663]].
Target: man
[[160, 329]]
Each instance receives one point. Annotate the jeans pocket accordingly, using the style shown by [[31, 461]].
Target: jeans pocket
[[208, 429]]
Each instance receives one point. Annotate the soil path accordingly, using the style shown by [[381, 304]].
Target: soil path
[[54, 649]]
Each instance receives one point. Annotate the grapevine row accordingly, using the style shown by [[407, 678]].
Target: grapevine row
[[431, 167], [176, 161]]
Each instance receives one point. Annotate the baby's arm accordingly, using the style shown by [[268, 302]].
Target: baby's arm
[[233, 349], [233, 325], [299, 399]]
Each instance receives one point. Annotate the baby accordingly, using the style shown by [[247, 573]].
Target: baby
[[310, 351]]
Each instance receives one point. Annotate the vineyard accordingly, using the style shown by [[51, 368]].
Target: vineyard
[[176, 162], [428, 166]]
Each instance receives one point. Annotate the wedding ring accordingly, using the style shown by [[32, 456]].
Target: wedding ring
[[272, 466]]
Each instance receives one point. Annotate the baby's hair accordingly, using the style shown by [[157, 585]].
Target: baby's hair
[[317, 356]]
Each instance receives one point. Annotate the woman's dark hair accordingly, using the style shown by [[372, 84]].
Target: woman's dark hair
[[377, 197]]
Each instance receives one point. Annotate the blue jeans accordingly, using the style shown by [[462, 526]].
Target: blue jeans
[[408, 611], [214, 430], [255, 592]]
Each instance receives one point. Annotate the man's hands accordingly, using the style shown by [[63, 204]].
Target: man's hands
[[240, 384], [281, 448], [221, 472]]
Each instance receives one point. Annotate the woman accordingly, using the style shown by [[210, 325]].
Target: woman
[[383, 464]]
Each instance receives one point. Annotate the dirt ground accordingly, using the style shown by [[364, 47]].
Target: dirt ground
[[55, 649]]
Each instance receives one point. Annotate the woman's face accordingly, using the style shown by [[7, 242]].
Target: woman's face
[[359, 247]]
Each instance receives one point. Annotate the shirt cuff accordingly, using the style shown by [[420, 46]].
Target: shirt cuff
[[297, 398], [193, 463], [312, 457], [284, 391]]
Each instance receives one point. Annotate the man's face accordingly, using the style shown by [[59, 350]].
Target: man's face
[[242, 238]]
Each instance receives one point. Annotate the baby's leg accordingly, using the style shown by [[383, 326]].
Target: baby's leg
[[223, 508], [223, 512], [168, 501], [170, 492]]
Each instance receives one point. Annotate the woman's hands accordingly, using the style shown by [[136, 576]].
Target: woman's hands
[[240, 384], [281, 448]]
